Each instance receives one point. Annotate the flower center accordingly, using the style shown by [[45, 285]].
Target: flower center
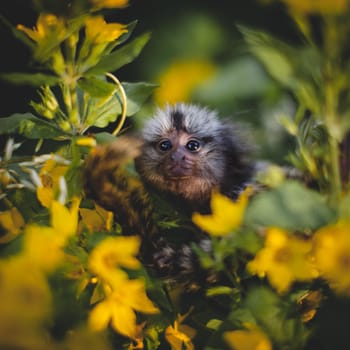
[[282, 255]]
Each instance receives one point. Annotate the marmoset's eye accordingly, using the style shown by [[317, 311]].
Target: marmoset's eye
[[193, 145], [165, 145]]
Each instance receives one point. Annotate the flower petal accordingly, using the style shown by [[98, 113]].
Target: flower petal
[[100, 316], [124, 320]]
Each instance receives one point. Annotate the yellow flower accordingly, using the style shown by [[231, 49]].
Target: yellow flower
[[251, 339], [332, 255], [25, 304], [119, 307], [48, 34], [99, 32], [97, 219], [284, 259], [179, 81], [226, 216], [44, 245], [98, 4], [83, 338], [47, 26], [111, 253], [50, 175], [64, 220], [12, 222], [86, 141], [331, 7], [179, 336], [24, 289]]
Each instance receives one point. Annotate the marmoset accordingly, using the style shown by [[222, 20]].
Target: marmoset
[[185, 152]]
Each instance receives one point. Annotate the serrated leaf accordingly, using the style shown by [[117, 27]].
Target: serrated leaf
[[96, 87], [33, 79], [29, 126], [120, 57], [290, 206]]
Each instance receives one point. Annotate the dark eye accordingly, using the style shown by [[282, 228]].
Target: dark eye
[[165, 145], [193, 145]]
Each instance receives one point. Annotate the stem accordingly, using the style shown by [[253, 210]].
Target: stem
[[124, 103], [334, 166], [336, 176], [73, 112], [331, 107], [4, 163]]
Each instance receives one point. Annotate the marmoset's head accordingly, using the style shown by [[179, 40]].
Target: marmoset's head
[[188, 151]]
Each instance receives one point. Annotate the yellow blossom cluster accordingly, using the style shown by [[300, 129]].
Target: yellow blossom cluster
[[286, 258], [248, 339], [50, 176], [98, 4], [226, 215], [332, 255], [181, 78], [99, 32], [179, 335], [122, 296], [25, 296], [325, 7], [48, 26]]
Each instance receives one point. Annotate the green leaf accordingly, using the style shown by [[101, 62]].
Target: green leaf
[[297, 68], [218, 290], [273, 317], [96, 87], [214, 324], [33, 79], [98, 293], [74, 174], [104, 138], [137, 94], [120, 57], [290, 206], [29, 126], [102, 111], [18, 34], [274, 54]]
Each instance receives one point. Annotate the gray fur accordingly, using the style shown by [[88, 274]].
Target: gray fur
[[219, 164]]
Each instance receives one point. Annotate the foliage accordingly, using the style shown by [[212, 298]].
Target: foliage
[[69, 278]]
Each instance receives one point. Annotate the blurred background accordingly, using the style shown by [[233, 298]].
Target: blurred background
[[196, 54]]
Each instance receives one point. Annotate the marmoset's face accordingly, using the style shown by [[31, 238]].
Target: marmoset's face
[[180, 156]]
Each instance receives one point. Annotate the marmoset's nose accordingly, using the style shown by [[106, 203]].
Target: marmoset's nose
[[178, 155]]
